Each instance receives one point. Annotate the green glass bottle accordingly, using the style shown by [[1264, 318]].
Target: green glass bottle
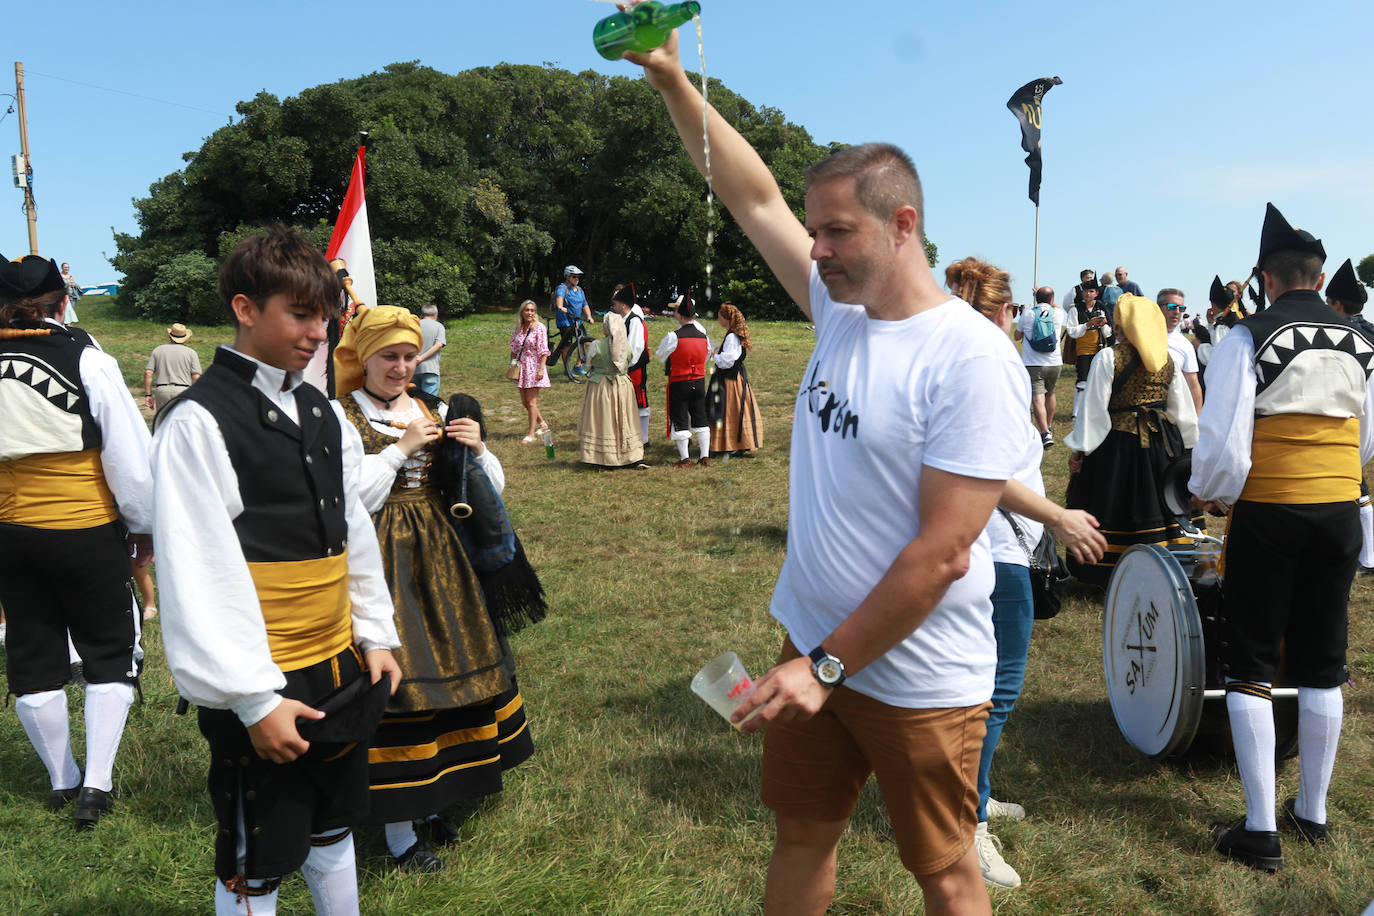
[[642, 27]]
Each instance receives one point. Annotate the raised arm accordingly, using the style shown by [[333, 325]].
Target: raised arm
[[740, 178]]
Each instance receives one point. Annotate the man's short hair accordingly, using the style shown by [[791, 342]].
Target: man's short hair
[[279, 260], [884, 179], [1166, 292], [685, 308], [1293, 269], [429, 311], [1044, 295]]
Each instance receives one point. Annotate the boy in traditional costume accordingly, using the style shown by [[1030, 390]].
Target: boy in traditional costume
[[75, 503], [683, 353], [1283, 435], [272, 585]]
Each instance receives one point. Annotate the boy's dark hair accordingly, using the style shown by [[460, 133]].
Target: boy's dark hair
[[1294, 269], [685, 309], [279, 260]]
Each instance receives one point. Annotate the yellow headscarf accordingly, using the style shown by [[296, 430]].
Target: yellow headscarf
[[1142, 323], [370, 330]]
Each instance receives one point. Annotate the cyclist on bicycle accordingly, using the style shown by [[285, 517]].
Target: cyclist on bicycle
[[569, 308]]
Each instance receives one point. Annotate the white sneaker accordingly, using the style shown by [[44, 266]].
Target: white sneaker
[[996, 872], [1009, 810]]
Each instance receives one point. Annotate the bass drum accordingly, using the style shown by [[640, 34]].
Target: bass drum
[[1159, 657]]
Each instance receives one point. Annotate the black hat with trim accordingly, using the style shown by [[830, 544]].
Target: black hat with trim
[[1220, 294], [1278, 235], [29, 276], [1343, 287]]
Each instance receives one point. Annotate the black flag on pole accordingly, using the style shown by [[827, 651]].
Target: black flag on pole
[[1025, 104]]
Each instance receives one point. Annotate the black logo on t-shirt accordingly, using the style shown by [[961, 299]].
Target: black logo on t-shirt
[[835, 415]]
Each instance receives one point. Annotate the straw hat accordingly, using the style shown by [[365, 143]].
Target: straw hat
[[179, 333]]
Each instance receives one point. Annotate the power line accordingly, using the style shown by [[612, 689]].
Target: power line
[[136, 95]]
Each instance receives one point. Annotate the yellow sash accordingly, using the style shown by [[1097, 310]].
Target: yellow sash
[[1090, 342], [62, 490], [1303, 458], [306, 607]]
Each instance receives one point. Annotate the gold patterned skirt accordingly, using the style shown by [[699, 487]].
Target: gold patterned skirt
[[457, 720]]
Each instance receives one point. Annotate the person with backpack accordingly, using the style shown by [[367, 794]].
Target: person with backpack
[[1039, 328]]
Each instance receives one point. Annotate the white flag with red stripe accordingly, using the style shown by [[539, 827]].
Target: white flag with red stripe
[[352, 242]]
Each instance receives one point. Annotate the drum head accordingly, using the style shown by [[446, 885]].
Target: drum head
[[1152, 652]]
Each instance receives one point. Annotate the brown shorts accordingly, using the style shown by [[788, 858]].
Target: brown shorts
[[926, 762]]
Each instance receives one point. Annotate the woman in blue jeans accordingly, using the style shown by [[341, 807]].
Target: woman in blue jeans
[[988, 289]]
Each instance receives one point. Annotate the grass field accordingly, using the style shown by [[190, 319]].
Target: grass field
[[640, 800]]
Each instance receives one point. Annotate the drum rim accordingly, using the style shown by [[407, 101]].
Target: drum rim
[[1191, 660]]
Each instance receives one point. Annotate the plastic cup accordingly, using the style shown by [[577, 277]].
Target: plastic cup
[[723, 684]]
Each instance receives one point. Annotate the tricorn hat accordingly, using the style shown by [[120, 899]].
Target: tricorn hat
[[1277, 235], [1343, 286], [31, 275], [1219, 293]]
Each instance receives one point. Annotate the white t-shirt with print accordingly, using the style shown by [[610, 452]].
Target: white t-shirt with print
[[1026, 324], [881, 400]]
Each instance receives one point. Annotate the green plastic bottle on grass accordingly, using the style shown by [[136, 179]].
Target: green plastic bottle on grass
[[642, 27]]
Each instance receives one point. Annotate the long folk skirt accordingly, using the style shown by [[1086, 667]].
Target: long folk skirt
[[458, 719], [741, 427], [1120, 485]]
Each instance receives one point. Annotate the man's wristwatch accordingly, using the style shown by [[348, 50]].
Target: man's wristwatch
[[826, 668]]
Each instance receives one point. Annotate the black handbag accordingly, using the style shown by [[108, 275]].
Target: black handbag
[[1049, 574]]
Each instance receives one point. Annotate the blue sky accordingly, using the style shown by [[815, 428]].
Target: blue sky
[[1175, 123]]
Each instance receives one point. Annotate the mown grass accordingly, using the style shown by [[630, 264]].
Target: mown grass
[[641, 800]]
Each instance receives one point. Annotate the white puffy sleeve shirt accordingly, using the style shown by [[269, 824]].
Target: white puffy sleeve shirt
[[212, 624], [1094, 422]]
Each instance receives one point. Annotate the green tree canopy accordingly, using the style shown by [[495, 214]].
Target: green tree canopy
[[1365, 270], [480, 187]]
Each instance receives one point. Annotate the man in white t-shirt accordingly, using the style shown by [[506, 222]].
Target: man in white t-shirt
[[1042, 365], [909, 421], [1170, 302]]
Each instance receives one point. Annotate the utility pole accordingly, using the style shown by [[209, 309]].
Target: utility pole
[[30, 208]]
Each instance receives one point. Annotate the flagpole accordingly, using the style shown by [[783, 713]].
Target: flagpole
[[1035, 264]]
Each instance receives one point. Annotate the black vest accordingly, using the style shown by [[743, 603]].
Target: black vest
[[50, 364], [290, 478]]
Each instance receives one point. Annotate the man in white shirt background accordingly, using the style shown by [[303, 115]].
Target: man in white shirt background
[[1170, 302]]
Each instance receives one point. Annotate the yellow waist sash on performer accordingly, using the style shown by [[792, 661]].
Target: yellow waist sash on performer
[[306, 607], [1090, 343], [1302, 458], [63, 490]]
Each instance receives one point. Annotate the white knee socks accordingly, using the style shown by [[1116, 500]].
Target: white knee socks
[[107, 706], [703, 441], [44, 717], [1319, 731], [680, 438], [1077, 399], [1367, 530], [644, 424], [231, 903], [1252, 731], [400, 836], [331, 873]]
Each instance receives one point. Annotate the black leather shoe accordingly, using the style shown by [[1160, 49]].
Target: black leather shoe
[[419, 860], [1256, 848], [60, 798], [438, 831], [92, 804], [1310, 831]]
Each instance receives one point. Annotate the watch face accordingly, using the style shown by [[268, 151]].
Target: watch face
[[829, 670]]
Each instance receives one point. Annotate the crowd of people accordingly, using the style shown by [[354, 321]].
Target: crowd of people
[[346, 642], [613, 426]]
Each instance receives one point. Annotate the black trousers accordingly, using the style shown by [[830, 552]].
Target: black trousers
[[1288, 575], [282, 803], [59, 581], [687, 404]]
